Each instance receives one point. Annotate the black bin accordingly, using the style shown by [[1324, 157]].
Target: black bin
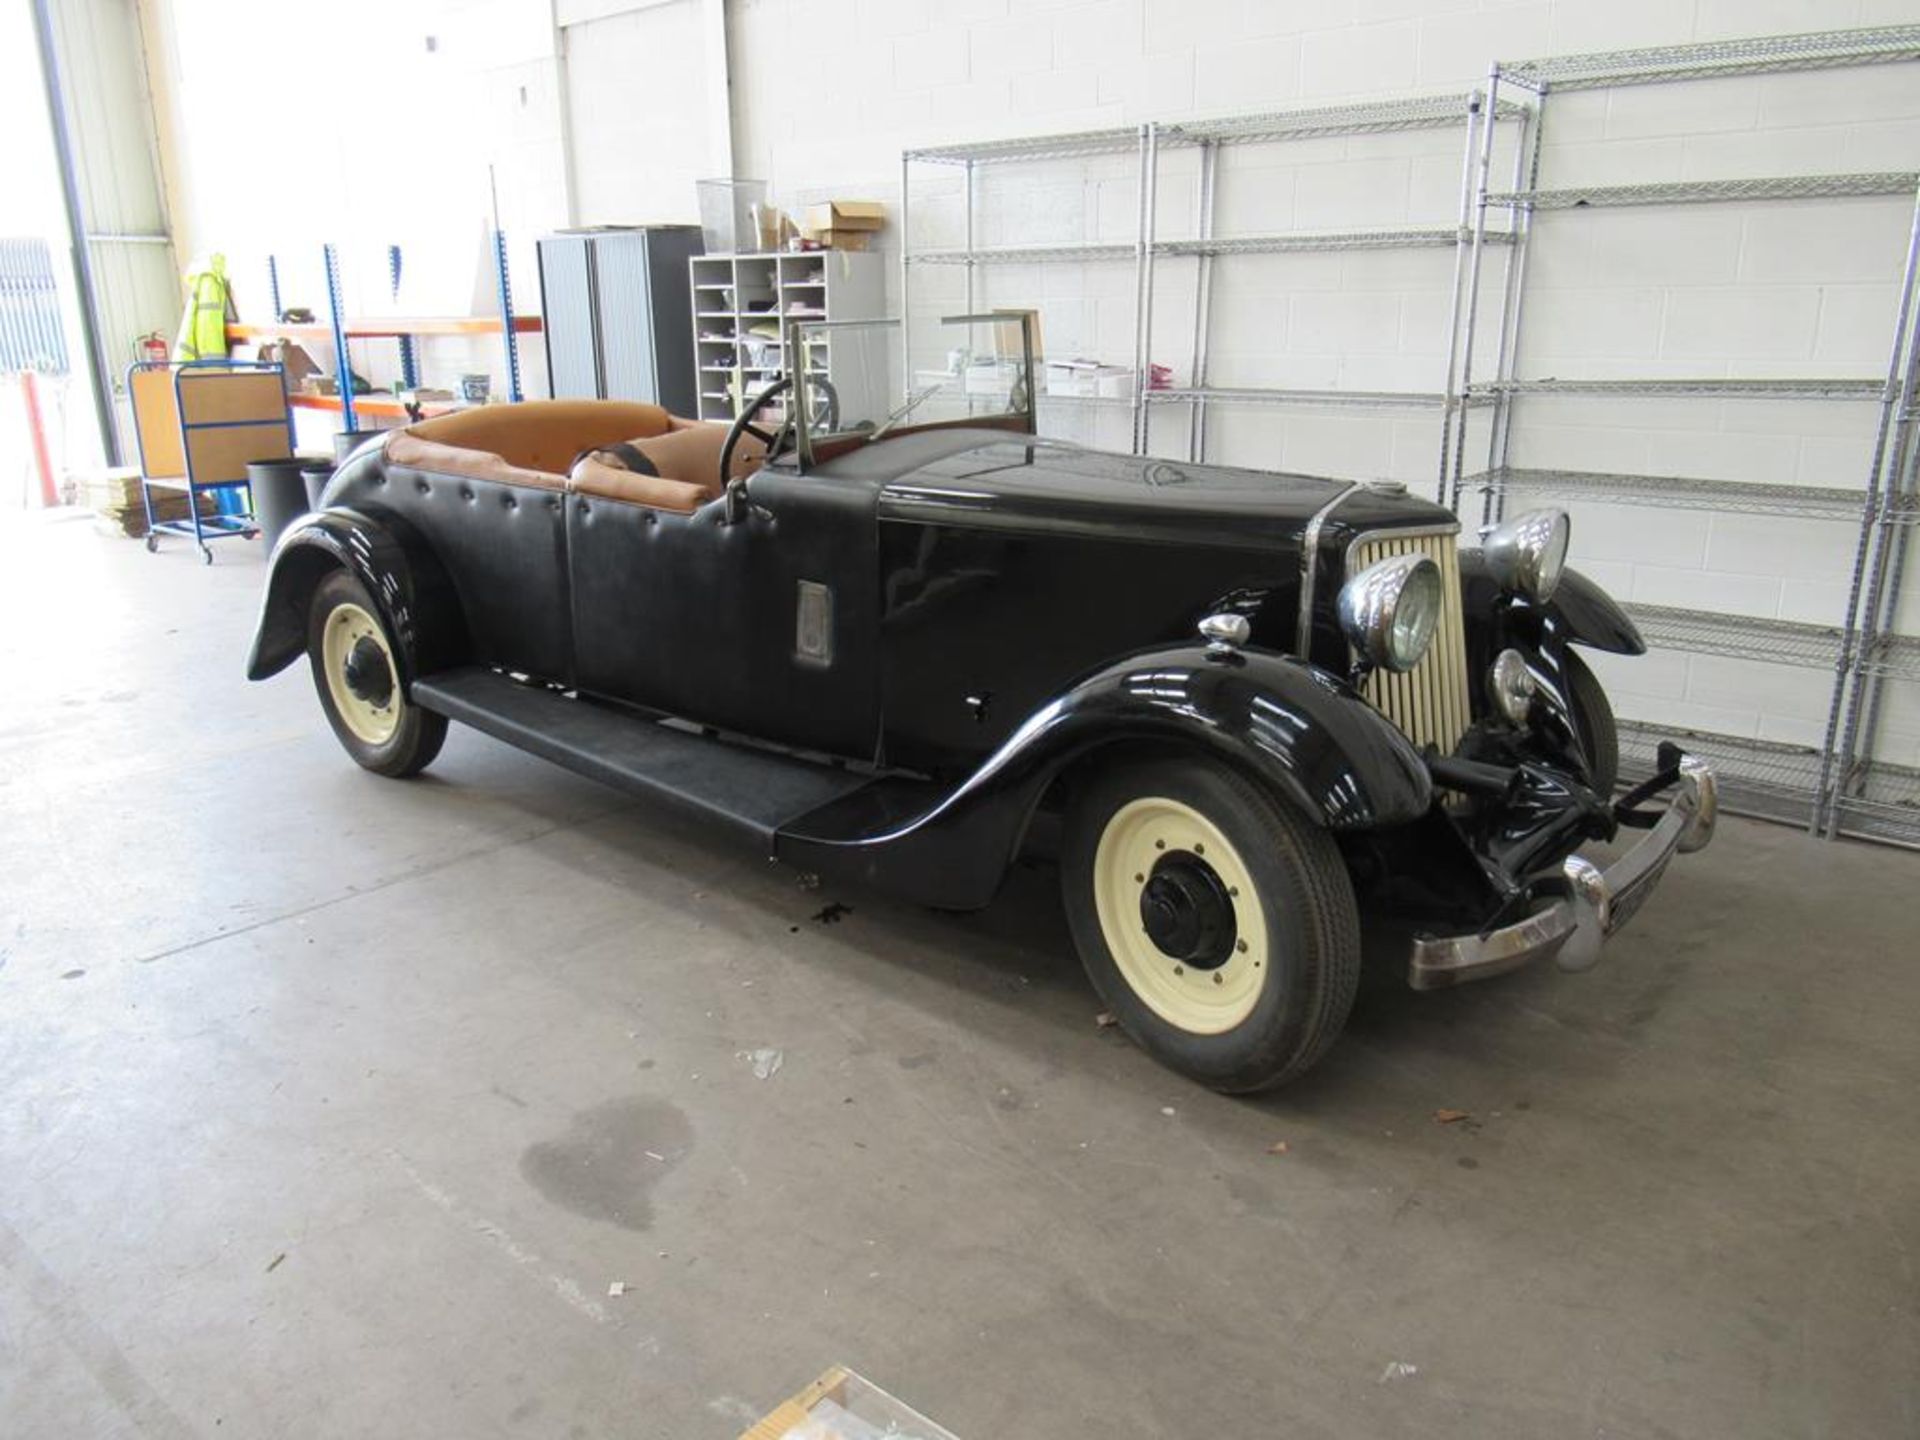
[[314, 474], [345, 442], [279, 495]]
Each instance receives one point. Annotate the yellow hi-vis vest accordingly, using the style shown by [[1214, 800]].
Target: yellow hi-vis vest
[[203, 325]]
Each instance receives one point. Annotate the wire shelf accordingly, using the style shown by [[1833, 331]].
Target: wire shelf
[[1886, 806], [1652, 65], [1763, 778], [1679, 492], [1341, 399], [1425, 113], [1800, 389], [1683, 192], [1064, 251], [1428, 112], [1743, 637], [1894, 657], [1413, 237], [1073, 145]]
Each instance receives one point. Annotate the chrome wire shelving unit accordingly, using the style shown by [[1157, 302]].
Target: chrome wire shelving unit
[[1148, 143], [1842, 787]]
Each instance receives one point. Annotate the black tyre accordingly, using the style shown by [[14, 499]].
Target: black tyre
[[1218, 925], [359, 684], [1593, 716]]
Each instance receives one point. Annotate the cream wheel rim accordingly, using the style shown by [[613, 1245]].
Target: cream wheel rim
[[1159, 864], [361, 680]]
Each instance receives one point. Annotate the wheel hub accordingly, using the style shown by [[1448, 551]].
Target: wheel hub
[[367, 673], [1187, 913]]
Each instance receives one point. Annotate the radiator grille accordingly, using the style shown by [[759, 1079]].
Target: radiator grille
[[1430, 702]]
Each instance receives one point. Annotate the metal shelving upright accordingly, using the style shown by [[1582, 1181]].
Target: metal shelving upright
[[338, 330], [1148, 142], [1839, 788]]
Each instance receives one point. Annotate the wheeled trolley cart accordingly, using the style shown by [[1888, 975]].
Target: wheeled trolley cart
[[198, 424]]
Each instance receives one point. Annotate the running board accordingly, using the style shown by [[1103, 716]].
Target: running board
[[751, 791]]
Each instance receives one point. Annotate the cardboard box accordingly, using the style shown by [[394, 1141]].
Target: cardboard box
[[1009, 338], [836, 216], [1088, 379], [842, 239]]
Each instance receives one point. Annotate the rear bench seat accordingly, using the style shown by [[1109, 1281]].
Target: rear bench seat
[[535, 444]]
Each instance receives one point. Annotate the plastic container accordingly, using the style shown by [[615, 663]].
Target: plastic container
[[279, 495], [726, 214]]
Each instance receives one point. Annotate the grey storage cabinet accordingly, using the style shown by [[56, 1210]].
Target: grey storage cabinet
[[617, 314]]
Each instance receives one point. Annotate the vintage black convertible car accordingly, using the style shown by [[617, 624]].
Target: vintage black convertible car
[[876, 640]]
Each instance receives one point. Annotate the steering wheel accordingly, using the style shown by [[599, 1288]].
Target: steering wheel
[[781, 437]]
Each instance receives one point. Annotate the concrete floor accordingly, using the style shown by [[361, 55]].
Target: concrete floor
[[332, 1106]]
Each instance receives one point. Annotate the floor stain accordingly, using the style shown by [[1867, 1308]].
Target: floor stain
[[604, 1168], [915, 1062]]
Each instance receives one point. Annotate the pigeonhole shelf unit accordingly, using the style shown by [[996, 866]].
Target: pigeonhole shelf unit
[[743, 302]]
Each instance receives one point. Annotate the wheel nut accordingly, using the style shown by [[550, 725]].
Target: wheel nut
[[1179, 969], [1199, 849], [1241, 946], [1218, 979]]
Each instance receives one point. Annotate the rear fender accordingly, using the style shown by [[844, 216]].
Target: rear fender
[[1294, 729], [410, 588]]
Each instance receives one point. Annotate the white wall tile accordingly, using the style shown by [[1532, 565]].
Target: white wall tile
[[1631, 535], [1456, 49], [1004, 48], [1250, 75], [1699, 590], [920, 59], [1365, 60], [1733, 324]]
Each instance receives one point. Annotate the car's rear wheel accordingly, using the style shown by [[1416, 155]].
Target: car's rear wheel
[[1593, 717], [359, 683], [1218, 925]]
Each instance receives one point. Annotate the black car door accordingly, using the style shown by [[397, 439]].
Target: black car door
[[764, 625]]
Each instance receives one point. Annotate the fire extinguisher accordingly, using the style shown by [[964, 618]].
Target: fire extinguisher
[[151, 348]]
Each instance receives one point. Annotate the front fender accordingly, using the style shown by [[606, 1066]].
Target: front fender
[[1297, 730], [1580, 612], [409, 587]]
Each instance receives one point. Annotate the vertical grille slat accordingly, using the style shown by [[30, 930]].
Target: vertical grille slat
[[1431, 702]]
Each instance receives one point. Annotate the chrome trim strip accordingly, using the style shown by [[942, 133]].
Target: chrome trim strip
[[1310, 569]]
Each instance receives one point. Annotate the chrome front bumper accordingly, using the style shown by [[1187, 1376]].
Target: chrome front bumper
[[1597, 902]]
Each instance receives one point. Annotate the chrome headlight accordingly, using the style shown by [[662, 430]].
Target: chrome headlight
[[1512, 686], [1389, 610], [1526, 554]]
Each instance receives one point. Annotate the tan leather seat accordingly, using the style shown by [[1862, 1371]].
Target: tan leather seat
[[534, 444], [688, 459], [543, 435]]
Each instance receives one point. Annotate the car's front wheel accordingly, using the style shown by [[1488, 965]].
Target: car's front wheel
[[1217, 923], [359, 683]]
